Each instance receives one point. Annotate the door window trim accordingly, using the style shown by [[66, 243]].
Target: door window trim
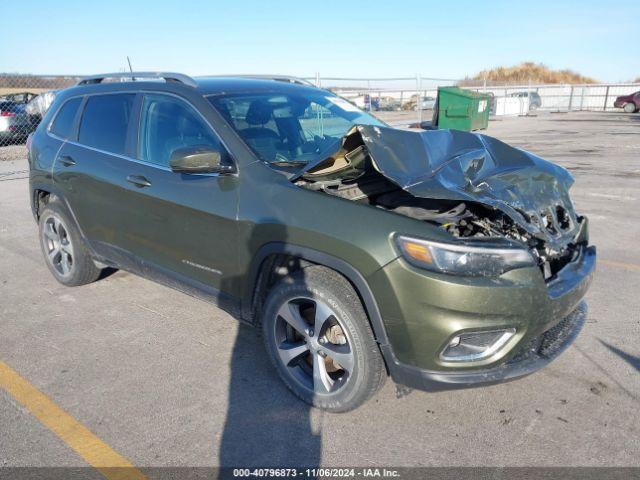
[[73, 139], [134, 129], [82, 108], [73, 133], [136, 135]]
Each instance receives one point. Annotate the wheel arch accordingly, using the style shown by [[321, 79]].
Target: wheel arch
[[261, 266], [41, 195]]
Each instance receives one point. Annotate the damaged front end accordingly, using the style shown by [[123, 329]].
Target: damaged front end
[[470, 185]]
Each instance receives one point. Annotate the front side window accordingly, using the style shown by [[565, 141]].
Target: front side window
[[295, 127], [105, 121], [166, 124], [63, 122]]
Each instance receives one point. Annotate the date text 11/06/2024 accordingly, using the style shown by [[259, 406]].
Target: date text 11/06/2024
[[316, 472]]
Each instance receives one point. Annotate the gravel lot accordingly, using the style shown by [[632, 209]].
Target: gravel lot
[[167, 380]]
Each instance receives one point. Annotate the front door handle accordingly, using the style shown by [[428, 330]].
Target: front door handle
[[139, 181], [67, 161]]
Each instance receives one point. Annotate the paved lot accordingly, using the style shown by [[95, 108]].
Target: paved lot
[[167, 380]]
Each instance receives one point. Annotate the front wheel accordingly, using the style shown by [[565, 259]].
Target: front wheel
[[320, 341], [629, 107]]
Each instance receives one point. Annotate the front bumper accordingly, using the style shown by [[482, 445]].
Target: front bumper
[[422, 311], [536, 354]]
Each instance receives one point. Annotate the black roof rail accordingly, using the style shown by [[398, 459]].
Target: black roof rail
[[167, 76], [277, 78]]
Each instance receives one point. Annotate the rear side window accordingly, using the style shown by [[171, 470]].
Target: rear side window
[[63, 123], [105, 121]]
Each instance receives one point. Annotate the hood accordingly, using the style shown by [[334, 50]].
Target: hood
[[456, 165]]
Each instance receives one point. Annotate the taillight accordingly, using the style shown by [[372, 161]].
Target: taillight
[[7, 114]]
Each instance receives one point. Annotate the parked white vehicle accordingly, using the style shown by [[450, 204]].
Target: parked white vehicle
[[427, 103]]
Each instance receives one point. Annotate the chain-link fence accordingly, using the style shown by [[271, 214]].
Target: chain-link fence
[[400, 100], [413, 97], [23, 101], [402, 94], [563, 98]]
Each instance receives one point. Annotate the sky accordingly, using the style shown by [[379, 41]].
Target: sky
[[444, 39]]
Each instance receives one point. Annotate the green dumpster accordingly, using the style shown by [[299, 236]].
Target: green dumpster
[[461, 109]]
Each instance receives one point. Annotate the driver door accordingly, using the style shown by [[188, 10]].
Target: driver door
[[180, 224]]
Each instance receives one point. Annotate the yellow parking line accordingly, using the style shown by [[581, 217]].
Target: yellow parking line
[[96, 453], [613, 263]]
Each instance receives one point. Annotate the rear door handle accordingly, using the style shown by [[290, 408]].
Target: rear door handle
[[138, 181], [67, 161]]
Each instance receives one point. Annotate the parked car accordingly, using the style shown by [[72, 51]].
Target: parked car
[[15, 124], [371, 103], [19, 97], [535, 101], [629, 103], [389, 104], [426, 103], [38, 106], [447, 259]]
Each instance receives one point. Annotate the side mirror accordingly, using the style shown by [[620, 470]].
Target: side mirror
[[198, 159]]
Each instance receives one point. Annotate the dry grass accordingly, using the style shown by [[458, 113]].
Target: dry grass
[[528, 72], [7, 91]]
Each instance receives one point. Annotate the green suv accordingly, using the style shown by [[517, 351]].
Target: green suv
[[444, 259]]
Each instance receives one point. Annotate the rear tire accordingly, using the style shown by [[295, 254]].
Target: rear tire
[[319, 339], [64, 251], [629, 107]]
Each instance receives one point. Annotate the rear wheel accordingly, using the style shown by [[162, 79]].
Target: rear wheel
[[629, 107], [320, 341], [64, 251]]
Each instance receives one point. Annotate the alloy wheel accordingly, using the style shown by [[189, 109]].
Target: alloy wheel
[[313, 345], [58, 246]]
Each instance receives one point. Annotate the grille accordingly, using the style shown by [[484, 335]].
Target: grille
[[551, 342]]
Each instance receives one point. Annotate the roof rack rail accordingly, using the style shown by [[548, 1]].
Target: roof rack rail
[[277, 78], [167, 76]]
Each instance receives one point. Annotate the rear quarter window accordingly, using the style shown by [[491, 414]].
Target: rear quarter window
[[63, 121], [105, 121]]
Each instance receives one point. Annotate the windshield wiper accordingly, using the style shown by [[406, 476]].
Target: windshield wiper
[[288, 163]]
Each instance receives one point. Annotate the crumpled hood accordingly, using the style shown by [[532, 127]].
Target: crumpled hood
[[455, 165]]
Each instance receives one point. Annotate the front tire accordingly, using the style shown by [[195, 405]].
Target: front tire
[[319, 339], [64, 251], [629, 107]]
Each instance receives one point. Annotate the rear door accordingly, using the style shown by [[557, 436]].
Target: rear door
[[184, 224], [90, 167]]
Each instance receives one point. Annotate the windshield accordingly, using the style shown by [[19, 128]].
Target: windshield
[[292, 128]]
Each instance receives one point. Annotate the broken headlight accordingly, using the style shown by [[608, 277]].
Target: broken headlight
[[463, 259]]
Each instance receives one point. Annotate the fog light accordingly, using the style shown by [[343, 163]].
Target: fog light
[[471, 346]]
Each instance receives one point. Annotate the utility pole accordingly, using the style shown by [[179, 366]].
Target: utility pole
[[419, 97]]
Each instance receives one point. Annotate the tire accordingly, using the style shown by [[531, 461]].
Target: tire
[[629, 107], [311, 320], [63, 249]]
